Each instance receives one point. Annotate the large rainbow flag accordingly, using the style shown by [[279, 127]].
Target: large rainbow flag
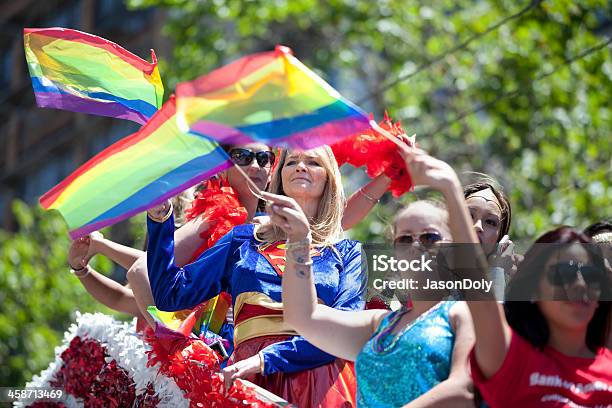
[[269, 97], [80, 72], [134, 174]]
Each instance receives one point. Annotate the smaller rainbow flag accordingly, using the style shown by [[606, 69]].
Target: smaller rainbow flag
[[174, 320], [134, 174], [214, 313], [269, 97], [81, 72], [208, 315]]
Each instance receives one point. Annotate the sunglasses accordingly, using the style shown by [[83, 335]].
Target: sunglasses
[[426, 239], [244, 157], [566, 273]]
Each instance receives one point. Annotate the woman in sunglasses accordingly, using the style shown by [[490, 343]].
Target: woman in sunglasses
[[249, 262], [601, 234], [416, 356], [549, 347], [193, 235]]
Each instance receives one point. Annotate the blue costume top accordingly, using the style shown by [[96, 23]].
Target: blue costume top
[[418, 361], [236, 264]]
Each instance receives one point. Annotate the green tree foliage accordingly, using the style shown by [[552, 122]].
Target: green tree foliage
[[38, 295], [543, 129]]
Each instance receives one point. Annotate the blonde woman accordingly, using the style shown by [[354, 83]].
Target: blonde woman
[[249, 263]]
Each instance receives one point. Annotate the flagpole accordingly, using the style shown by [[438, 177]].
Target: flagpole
[[250, 183], [389, 136]]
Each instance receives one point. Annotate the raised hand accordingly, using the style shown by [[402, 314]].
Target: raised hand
[[79, 252], [286, 213], [426, 170]]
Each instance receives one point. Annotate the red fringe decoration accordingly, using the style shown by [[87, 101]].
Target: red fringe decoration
[[195, 368], [220, 208], [378, 154]]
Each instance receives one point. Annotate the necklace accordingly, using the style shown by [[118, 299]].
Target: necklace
[[377, 341]]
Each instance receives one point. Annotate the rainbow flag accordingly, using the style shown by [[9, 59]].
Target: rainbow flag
[[136, 173], [269, 97], [214, 313], [208, 315], [80, 72], [174, 320]]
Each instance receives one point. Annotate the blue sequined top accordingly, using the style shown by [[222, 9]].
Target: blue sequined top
[[419, 360]]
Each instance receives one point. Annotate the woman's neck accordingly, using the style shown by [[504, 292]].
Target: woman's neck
[[249, 202], [569, 342], [309, 206]]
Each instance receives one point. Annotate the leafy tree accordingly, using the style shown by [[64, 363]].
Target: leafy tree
[[511, 102], [38, 295]]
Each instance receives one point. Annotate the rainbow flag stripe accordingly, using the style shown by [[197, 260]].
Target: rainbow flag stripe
[[155, 163], [81, 72], [269, 97], [214, 314], [208, 315]]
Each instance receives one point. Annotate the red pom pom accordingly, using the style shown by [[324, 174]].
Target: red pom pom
[[148, 398], [112, 388], [83, 360], [378, 154], [85, 374]]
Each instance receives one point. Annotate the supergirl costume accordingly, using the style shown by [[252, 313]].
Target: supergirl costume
[[251, 272]]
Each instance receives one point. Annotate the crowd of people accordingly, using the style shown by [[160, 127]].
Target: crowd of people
[[298, 324]]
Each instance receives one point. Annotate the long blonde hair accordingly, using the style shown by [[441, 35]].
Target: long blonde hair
[[326, 226]]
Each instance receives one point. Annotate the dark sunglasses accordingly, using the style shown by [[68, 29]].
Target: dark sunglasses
[[244, 157], [426, 239], [566, 273]]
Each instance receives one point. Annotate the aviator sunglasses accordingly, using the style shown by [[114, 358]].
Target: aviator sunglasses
[[244, 157], [566, 273], [427, 239]]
